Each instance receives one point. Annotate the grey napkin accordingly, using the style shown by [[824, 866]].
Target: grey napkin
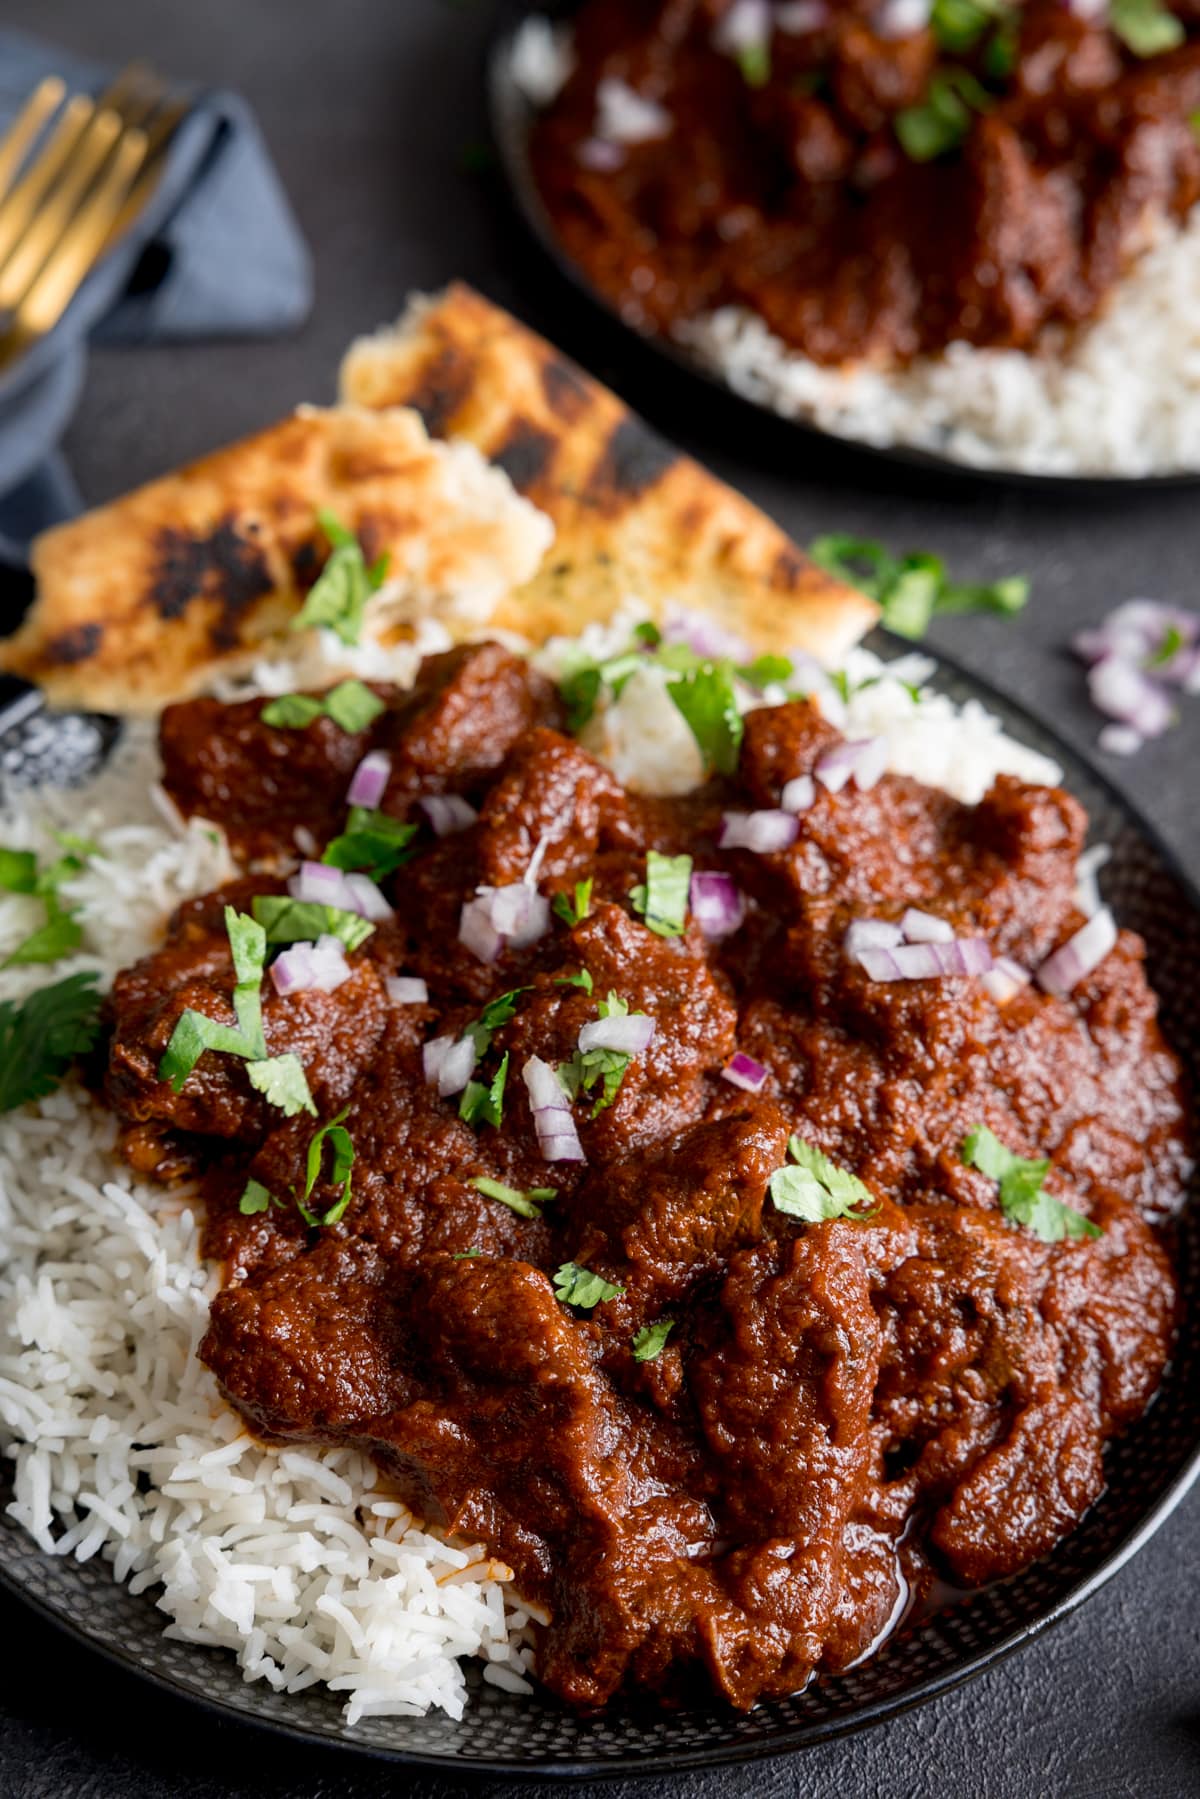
[[216, 254]]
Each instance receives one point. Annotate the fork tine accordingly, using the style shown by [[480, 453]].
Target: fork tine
[[55, 214], [84, 239], [23, 200], [158, 137], [18, 139]]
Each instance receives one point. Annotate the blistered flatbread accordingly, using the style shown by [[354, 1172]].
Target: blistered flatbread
[[147, 599], [634, 519]]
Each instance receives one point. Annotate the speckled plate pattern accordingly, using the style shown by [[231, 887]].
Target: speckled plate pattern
[[1149, 1468]]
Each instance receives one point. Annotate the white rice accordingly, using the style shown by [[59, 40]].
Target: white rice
[[295, 1560], [1122, 399]]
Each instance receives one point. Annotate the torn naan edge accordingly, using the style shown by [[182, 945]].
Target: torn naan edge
[[634, 519], [148, 599]]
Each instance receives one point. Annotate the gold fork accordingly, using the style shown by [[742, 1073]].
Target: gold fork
[[63, 207]]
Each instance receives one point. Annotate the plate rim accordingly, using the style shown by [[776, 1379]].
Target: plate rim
[[792, 1740], [506, 104]]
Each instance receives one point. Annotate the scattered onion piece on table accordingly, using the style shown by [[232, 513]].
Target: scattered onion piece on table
[[1139, 659]]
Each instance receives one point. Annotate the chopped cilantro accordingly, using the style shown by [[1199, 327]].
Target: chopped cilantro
[[706, 698], [581, 978], [19, 873], [466, 1255], [649, 1341], [338, 598], [295, 921], [662, 898], [605, 1067], [754, 61], [40, 1038], [482, 1103], [282, 1082], [1170, 646], [577, 1286], [1023, 1197], [351, 705], [498, 1011], [526, 1205], [280, 1079], [373, 842], [813, 1188], [1146, 27], [767, 671], [50, 942], [338, 1138], [959, 24], [941, 121], [912, 589], [584, 680], [574, 911], [255, 1198]]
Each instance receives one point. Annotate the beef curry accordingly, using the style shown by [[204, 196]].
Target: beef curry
[[873, 191], [706, 1434]]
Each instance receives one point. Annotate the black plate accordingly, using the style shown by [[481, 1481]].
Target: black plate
[[512, 117], [1150, 1468]]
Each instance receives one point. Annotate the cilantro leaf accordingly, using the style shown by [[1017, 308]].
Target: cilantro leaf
[[649, 1341], [484, 1104], [49, 943], [1023, 1197], [959, 24], [338, 1138], [706, 698], [466, 1255], [663, 898], [338, 597], [282, 1081], [573, 912], [255, 1198], [372, 841], [815, 1189], [1146, 27], [767, 671], [603, 1067], [498, 1011], [193, 1034], [525, 1205], [287, 920], [41, 1037], [292, 711], [577, 1286], [248, 946], [912, 589], [581, 978], [351, 705], [18, 871], [754, 61], [941, 121]]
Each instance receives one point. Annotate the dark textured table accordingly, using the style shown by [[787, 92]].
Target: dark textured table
[[373, 112]]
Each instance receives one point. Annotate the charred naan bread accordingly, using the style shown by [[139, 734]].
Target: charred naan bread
[[633, 518], [509, 490], [145, 600]]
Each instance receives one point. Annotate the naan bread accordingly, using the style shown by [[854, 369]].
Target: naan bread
[[633, 518], [145, 600]]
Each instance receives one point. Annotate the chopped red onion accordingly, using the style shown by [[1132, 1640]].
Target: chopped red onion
[[476, 930], [370, 779], [797, 17], [863, 758], [447, 812], [744, 1072], [364, 897], [763, 832], [1124, 691], [624, 116], [597, 154], [798, 794], [557, 1136], [304, 840], [449, 1063], [704, 635], [406, 990], [923, 927], [745, 25], [871, 933], [1005, 979], [317, 884], [1079, 955], [902, 18], [927, 961], [1087, 888], [629, 1035], [318, 967], [716, 904], [1120, 740]]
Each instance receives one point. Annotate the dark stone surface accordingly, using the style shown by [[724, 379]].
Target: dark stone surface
[[371, 111]]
